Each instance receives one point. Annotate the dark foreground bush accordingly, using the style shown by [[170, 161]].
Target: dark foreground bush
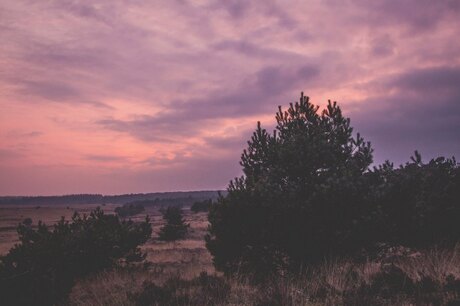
[[307, 193], [423, 277], [391, 285], [417, 204], [203, 290], [43, 267], [337, 283]]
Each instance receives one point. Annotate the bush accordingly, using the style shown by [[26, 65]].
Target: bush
[[300, 197], [129, 209], [201, 206], [203, 290], [43, 267], [175, 227], [307, 193], [418, 203]]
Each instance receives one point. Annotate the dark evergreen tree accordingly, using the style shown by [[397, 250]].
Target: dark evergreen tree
[[175, 227], [129, 209], [201, 206], [300, 197], [307, 194], [417, 204]]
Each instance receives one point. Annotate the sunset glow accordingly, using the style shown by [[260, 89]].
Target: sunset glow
[[117, 97]]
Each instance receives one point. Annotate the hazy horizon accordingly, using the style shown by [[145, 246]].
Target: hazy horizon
[[114, 97], [106, 194]]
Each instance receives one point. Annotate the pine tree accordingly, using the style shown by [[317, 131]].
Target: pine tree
[[300, 195], [44, 266], [175, 227]]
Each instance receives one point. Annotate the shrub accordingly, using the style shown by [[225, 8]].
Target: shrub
[[43, 267], [175, 227], [202, 290], [129, 209], [418, 203], [307, 193], [300, 198], [201, 206]]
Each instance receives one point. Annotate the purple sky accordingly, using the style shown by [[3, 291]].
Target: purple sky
[[140, 96]]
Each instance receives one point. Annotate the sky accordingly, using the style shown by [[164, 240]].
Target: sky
[[140, 96]]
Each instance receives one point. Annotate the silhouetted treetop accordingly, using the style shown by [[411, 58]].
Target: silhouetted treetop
[[306, 149]]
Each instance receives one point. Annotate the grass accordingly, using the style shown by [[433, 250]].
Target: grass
[[430, 277]]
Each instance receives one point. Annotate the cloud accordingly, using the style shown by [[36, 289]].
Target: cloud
[[422, 113], [175, 88], [10, 154], [204, 173], [162, 128], [104, 158], [415, 15], [382, 46], [251, 49], [273, 80], [50, 91], [83, 10], [236, 8], [234, 143], [432, 80], [187, 117], [55, 92], [240, 9], [23, 134]]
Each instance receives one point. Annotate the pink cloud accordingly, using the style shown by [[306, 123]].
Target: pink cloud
[[116, 96]]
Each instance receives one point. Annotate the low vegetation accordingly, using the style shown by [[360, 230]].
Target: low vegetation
[[397, 277], [201, 206], [308, 193], [130, 209], [202, 290], [175, 227], [43, 267]]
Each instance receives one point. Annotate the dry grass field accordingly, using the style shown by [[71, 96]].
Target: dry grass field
[[430, 277], [185, 257]]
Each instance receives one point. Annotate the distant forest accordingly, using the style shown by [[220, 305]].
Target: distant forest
[[157, 198]]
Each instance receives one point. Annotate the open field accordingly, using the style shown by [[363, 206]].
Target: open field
[[428, 277]]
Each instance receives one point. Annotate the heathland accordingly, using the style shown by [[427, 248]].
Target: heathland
[[395, 276]]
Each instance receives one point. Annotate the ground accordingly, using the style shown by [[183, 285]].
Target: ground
[[188, 257], [398, 277]]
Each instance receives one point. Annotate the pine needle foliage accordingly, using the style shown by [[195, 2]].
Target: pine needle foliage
[[42, 268], [175, 227], [299, 197]]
